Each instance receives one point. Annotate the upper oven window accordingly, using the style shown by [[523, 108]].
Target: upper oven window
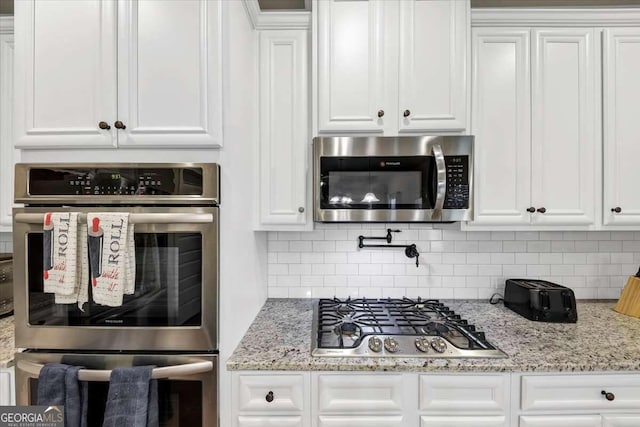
[[168, 286], [377, 182]]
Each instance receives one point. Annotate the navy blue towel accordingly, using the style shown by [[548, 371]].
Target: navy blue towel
[[58, 385], [133, 398]]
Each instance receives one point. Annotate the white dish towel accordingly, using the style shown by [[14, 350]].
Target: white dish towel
[[111, 257], [60, 255]]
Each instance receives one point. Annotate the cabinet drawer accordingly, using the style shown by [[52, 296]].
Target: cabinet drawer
[[360, 421], [270, 393], [579, 392], [358, 393], [270, 421], [631, 420], [561, 421], [464, 393], [472, 421]]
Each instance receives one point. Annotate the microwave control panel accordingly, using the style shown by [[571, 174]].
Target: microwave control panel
[[457, 196]]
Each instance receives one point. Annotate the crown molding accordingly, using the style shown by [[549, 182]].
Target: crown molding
[[555, 17], [277, 20], [6, 24]]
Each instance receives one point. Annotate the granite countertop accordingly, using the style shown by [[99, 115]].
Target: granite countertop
[[601, 340], [6, 342]]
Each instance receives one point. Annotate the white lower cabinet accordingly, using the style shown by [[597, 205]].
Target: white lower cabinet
[[561, 421], [7, 387], [270, 421], [360, 421], [411, 399], [464, 421]]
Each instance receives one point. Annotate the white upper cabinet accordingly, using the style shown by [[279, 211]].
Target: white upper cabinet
[[388, 67], [101, 73], [433, 53], [535, 116], [501, 124], [564, 136], [351, 80], [65, 73], [8, 156], [621, 68], [284, 132], [169, 73]]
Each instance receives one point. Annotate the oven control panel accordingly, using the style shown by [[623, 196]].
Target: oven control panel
[[115, 181], [457, 196]]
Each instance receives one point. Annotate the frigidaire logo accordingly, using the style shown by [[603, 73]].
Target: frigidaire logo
[[383, 164], [31, 416]]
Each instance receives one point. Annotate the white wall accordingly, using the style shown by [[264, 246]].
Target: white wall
[[453, 263]]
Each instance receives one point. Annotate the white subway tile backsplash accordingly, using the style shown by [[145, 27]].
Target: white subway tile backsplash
[[453, 263]]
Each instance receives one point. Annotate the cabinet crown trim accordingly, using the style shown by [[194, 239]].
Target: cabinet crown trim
[[555, 17], [289, 20], [6, 24]]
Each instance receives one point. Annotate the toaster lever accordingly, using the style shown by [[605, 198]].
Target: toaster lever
[[566, 301], [545, 303]]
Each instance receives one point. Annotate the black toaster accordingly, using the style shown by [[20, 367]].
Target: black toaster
[[540, 300]]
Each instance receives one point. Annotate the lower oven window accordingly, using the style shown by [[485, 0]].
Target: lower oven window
[[179, 402], [168, 287]]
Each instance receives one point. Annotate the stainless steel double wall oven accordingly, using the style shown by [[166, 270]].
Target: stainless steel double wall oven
[[171, 319]]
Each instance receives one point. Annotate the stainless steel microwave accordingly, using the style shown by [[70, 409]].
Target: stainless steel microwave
[[393, 179]]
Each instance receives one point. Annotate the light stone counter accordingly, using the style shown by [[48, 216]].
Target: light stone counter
[[6, 342], [601, 340]]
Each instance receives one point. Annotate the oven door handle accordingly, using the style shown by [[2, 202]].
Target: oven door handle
[[134, 218], [441, 191], [92, 375]]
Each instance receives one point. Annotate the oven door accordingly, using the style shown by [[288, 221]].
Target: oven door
[[187, 384], [174, 306]]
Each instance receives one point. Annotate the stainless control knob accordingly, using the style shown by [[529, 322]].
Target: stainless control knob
[[391, 345], [422, 344], [438, 345], [375, 344]]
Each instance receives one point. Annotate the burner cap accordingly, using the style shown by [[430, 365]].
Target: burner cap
[[344, 309], [347, 328], [432, 327]]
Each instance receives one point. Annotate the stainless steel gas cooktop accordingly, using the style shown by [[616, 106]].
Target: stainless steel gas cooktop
[[395, 328]]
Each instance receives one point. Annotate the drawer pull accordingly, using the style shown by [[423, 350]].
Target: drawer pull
[[269, 397], [608, 395]]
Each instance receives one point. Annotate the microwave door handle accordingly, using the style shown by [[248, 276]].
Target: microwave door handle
[[134, 218], [441, 167], [104, 375]]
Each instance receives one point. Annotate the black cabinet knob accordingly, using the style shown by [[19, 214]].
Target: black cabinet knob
[[608, 395], [104, 125], [616, 209], [119, 125], [269, 397], [531, 209], [542, 210], [406, 113], [380, 113]]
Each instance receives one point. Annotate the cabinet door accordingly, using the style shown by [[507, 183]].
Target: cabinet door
[[283, 142], [432, 76], [169, 73], [468, 421], [501, 123], [270, 421], [7, 153], [65, 82], [561, 421], [631, 420], [621, 67], [360, 421], [7, 397], [564, 126], [351, 58]]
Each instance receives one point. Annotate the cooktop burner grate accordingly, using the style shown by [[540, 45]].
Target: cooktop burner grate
[[395, 327]]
